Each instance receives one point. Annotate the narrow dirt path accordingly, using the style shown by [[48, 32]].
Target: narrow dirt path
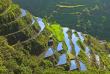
[[32, 38], [19, 30], [6, 11], [11, 21]]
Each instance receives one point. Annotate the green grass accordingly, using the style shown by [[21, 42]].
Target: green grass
[[82, 56], [11, 8], [70, 56], [48, 27], [10, 14], [81, 44], [75, 13], [14, 6], [76, 34], [56, 28], [99, 49], [64, 6]]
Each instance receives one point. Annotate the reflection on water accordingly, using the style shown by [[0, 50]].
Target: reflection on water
[[109, 55], [88, 53], [73, 30], [23, 12], [101, 42], [83, 68], [32, 20], [74, 40], [87, 50], [50, 40], [89, 56], [59, 47], [67, 39], [48, 24], [73, 65], [98, 60], [49, 52], [62, 60], [80, 36], [41, 24]]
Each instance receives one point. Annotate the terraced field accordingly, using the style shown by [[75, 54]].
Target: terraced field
[[64, 48], [87, 16], [75, 62]]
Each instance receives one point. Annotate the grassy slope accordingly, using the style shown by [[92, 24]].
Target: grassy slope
[[4, 6], [56, 28], [99, 49], [10, 15], [18, 60], [14, 6], [85, 18]]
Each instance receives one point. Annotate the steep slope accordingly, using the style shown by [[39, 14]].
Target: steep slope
[[5, 5], [30, 45], [87, 16]]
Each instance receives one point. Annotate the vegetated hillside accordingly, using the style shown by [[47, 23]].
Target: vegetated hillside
[[30, 45], [87, 16]]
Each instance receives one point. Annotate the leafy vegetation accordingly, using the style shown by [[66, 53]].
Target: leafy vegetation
[[81, 44], [10, 15], [23, 47], [23, 35], [4, 5], [70, 56], [70, 6], [17, 61], [100, 49], [57, 31], [82, 56], [88, 16], [14, 6], [16, 25], [73, 52]]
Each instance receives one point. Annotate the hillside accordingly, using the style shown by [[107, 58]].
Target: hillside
[[88, 16], [32, 45]]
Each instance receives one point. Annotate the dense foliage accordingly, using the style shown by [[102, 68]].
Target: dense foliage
[[23, 45], [4, 5], [87, 16], [10, 15], [17, 60]]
